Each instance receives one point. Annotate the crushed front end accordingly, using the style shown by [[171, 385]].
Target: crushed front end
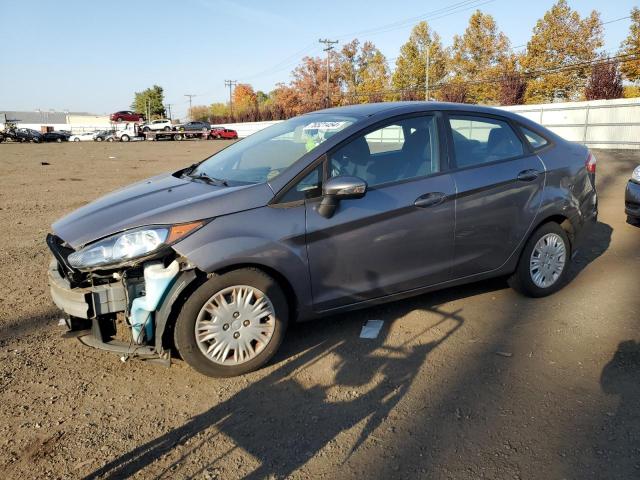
[[143, 290]]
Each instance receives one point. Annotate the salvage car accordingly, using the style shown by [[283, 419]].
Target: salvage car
[[26, 135], [193, 127], [103, 135], [55, 137], [221, 132], [155, 125], [83, 137], [632, 198], [326, 212], [126, 116]]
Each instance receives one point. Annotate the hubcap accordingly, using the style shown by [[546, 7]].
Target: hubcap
[[547, 260], [235, 325]]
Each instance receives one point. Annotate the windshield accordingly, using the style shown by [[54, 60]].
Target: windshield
[[266, 154]]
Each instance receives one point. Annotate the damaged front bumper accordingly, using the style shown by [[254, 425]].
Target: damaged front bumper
[[92, 307]]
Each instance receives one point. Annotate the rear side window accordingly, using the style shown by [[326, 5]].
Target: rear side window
[[536, 141], [479, 140]]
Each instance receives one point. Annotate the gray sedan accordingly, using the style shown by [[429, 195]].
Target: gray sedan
[[330, 211]]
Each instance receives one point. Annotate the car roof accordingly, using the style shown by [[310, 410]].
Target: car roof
[[387, 108]]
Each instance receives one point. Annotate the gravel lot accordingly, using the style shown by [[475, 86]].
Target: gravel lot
[[471, 382]]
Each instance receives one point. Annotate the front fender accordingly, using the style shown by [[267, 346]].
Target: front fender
[[270, 237]]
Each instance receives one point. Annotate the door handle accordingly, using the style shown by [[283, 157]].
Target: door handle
[[430, 200], [528, 175]]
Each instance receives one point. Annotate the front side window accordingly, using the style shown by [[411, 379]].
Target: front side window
[[266, 154], [309, 187], [479, 140], [402, 150]]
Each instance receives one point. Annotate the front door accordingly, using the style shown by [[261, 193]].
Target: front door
[[399, 236]]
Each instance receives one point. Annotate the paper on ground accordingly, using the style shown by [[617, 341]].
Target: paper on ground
[[371, 329]]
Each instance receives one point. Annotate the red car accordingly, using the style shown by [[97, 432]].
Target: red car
[[126, 116], [220, 132]]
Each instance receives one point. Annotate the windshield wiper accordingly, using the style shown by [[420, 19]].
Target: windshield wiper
[[206, 178]]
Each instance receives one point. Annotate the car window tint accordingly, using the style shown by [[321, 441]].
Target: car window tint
[[402, 150], [536, 141], [478, 140], [309, 187]]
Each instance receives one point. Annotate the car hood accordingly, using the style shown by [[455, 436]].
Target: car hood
[[162, 200]]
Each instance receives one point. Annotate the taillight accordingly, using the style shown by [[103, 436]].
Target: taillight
[[591, 163]]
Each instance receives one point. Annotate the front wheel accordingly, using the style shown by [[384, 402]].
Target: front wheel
[[232, 324], [544, 263], [124, 138]]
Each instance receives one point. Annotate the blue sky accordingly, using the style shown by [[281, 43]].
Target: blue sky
[[92, 56]]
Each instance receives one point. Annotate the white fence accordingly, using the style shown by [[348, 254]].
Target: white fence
[[598, 124]]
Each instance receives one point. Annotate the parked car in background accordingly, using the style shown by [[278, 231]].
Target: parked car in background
[[383, 201], [83, 137], [126, 116], [27, 135], [55, 137], [193, 127], [102, 135], [155, 125], [221, 132], [632, 198]]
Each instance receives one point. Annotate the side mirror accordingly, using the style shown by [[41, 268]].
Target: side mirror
[[340, 188]]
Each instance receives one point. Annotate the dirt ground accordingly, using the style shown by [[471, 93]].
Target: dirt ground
[[471, 382]]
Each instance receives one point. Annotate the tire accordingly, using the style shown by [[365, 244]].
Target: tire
[[193, 313], [146, 129], [99, 139], [76, 139], [166, 129], [124, 138], [110, 139], [529, 279], [177, 137]]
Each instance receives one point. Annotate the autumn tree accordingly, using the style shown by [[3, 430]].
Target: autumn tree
[[454, 91], [200, 113], [479, 56], [309, 83], [561, 39], [410, 73], [152, 99], [363, 71], [512, 89], [605, 82], [245, 103], [631, 46]]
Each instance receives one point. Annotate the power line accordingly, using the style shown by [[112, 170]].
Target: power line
[[230, 84], [190, 95], [329, 45]]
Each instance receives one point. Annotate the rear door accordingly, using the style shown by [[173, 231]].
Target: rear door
[[399, 236], [499, 184]]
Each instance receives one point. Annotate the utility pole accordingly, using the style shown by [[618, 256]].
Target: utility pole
[[230, 84], [190, 95], [426, 79], [329, 45], [168, 107]]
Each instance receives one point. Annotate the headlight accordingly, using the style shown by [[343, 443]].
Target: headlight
[[128, 246], [635, 176]]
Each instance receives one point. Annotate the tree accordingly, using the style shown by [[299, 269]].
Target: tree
[[454, 91], [631, 46], [410, 73], [309, 83], [561, 39], [363, 71], [480, 54], [200, 113], [513, 87], [154, 95], [605, 82], [245, 104]]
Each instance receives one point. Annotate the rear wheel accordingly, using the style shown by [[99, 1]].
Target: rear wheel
[[124, 138], [232, 324], [76, 139], [544, 263]]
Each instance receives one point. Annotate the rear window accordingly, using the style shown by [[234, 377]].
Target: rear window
[[537, 141]]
